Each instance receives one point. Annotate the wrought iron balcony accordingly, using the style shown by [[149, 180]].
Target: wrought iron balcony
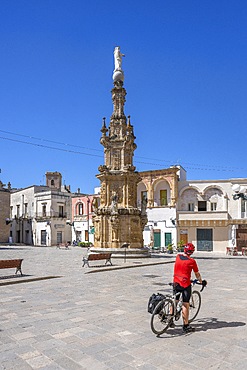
[[47, 215]]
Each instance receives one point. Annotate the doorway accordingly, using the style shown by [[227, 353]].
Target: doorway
[[43, 237], [241, 238], [205, 240], [184, 236], [157, 239], [168, 239]]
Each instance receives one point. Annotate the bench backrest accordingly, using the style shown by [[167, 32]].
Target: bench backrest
[[4, 264], [98, 256]]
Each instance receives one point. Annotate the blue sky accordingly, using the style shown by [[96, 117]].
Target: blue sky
[[185, 76]]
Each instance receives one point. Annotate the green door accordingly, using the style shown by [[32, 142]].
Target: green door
[[168, 239], [205, 240], [156, 239]]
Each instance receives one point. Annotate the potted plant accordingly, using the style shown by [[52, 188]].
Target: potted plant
[[170, 248], [180, 246]]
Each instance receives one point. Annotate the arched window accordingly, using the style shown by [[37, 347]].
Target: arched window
[[52, 183], [80, 209]]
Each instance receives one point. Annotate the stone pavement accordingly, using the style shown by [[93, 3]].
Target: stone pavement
[[60, 316]]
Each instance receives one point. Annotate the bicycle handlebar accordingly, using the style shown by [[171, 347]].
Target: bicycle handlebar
[[204, 283], [193, 282]]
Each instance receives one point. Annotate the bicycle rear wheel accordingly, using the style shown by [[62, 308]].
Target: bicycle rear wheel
[[162, 316], [195, 305]]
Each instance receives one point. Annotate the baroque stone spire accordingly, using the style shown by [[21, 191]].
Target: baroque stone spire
[[118, 220], [119, 143]]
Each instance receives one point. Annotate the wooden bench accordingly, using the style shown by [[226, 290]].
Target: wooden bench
[[9, 264], [97, 257]]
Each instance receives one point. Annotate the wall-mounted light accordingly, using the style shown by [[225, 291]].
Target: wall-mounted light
[[173, 221], [8, 221], [240, 192], [68, 222]]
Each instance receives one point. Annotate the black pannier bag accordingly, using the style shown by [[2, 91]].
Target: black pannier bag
[[153, 301]]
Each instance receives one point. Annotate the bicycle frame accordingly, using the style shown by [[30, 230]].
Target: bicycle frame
[[178, 302], [167, 310]]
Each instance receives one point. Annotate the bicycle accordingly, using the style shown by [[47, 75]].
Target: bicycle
[[170, 309]]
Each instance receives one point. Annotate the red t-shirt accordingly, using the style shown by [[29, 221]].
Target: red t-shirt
[[182, 269]]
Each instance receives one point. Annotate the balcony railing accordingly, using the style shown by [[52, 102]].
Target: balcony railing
[[45, 215], [81, 217]]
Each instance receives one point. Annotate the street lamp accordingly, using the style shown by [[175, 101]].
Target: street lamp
[[125, 246], [240, 192]]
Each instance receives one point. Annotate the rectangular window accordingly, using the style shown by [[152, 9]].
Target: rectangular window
[[191, 207], [202, 206], [243, 208], [163, 197], [11, 212], [44, 210], [18, 211], [213, 206], [60, 211], [25, 209]]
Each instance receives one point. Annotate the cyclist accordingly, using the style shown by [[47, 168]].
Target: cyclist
[[183, 267]]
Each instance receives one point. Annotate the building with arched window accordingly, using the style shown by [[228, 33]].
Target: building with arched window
[[160, 189], [209, 217], [82, 213]]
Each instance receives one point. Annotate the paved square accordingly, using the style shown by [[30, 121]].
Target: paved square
[[60, 316]]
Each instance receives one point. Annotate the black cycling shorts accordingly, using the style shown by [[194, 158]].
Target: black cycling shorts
[[186, 292]]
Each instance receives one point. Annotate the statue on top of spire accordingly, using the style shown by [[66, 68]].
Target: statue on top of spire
[[118, 59], [118, 72]]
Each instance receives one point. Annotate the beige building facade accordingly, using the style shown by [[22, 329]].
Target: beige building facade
[[160, 187], [209, 216]]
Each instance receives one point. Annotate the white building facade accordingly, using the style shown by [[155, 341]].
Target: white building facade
[[38, 214]]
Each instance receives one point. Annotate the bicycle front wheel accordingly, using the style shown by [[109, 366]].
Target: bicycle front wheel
[[162, 315], [195, 305]]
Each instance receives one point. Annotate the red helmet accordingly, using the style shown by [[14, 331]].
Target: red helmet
[[189, 248]]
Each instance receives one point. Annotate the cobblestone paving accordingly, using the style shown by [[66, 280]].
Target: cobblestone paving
[[84, 320]]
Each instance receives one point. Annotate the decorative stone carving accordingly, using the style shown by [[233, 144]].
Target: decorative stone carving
[[144, 206], [114, 204], [95, 204]]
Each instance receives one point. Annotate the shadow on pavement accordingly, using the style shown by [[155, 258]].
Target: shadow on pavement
[[14, 249], [214, 323], [201, 325], [17, 276]]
